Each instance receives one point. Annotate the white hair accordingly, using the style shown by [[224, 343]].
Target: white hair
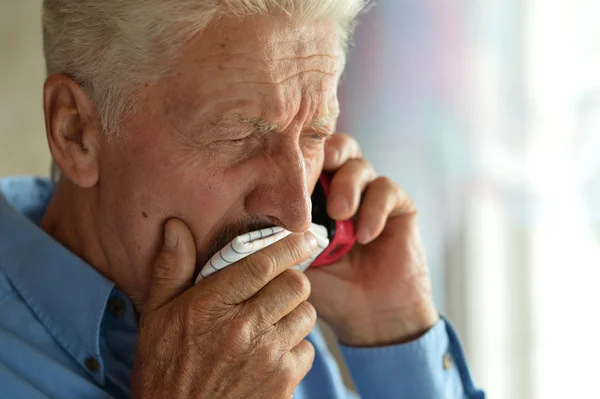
[[110, 47]]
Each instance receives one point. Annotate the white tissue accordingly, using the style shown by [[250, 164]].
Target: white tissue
[[249, 243]]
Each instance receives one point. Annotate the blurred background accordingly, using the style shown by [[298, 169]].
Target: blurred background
[[488, 113]]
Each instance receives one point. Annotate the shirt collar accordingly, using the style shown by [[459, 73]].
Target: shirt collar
[[67, 295]]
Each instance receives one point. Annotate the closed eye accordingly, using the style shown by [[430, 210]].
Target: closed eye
[[318, 136]]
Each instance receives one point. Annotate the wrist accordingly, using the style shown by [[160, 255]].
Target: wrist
[[391, 327]]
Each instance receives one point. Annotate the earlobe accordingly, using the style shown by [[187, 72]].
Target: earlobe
[[73, 130]]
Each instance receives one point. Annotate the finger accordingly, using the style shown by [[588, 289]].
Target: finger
[[242, 280], [346, 188], [382, 199], [294, 327], [279, 298], [340, 148], [174, 269], [302, 356]]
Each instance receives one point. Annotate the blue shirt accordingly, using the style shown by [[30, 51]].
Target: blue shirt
[[67, 332]]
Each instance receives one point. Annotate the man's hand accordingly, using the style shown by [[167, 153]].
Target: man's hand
[[238, 334], [380, 293]]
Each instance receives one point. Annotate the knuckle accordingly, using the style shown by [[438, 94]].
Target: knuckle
[[308, 313], [288, 373], [357, 169], [297, 283], [363, 164], [241, 333], [386, 182], [293, 249], [346, 144], [338, 138], [367, 169], [305, 356], [345, 139], [296, 246], [270, 354], [351, 145], [262, 266], [307, 350]]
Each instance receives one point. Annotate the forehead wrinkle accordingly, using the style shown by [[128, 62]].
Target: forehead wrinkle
[[251, 57], [277, 63], [275, 71], [301, 73], [269, 106], [275, 108], [305, 58]]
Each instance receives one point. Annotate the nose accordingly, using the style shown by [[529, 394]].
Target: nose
[[282, 195]]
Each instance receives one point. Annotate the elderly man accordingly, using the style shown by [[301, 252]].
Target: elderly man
[[178, 125]]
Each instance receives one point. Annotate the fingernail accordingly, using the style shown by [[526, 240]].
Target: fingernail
[[311, 240], [340, 204], [363, 235], [170, 238]]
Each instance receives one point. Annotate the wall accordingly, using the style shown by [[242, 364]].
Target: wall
[[23, 146]]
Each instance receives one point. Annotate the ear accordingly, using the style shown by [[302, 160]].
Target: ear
[[73, 129]]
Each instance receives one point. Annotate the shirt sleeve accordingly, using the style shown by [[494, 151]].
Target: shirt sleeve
[[431, 367]]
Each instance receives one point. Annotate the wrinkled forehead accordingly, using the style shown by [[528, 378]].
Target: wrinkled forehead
[[235, 64], [270, 37]]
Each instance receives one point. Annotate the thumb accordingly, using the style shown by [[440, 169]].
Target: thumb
[[175, 266]]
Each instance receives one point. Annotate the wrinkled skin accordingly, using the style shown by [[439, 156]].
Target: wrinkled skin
[[234, 139]]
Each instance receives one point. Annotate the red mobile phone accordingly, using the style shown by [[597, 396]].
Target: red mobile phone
[[341, 234]]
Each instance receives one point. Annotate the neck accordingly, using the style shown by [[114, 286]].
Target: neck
[[71, 219]]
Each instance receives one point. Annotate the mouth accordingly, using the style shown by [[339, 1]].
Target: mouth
[[230, 232]]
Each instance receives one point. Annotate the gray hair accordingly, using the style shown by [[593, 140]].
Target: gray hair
[[110, 47]]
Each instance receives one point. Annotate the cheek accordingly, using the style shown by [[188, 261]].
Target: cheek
[[209, 195], [152, 181], [159, 179]]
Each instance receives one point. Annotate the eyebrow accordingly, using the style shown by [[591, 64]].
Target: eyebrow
[[325, 123], [258, 124], [261, 125]]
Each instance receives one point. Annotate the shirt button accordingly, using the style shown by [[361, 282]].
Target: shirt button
[[92, 364], [116, 306], [447, 361]]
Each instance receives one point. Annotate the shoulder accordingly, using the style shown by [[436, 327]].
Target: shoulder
[[28, 195], [25, 186], [19, 326], [31, 361]]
